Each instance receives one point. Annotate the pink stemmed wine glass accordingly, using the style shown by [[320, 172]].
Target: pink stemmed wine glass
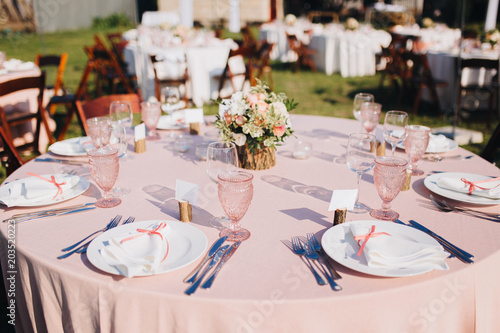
[[150, 113], [235, 195], [416, 143], [99, 130], [389, 176], [359, 99], [370, 115], [104, 167]]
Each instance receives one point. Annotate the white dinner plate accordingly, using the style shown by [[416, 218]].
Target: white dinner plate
[[452, 145], [171, 123], [340, 245], [71, 147], [186, 244], [174, 107], [431, 183], [80, 188]]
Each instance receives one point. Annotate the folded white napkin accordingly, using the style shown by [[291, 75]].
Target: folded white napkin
[[71, 147], [18, 65], [438, 143], [488, 189], [33, 189], [394, 251], [139, 252]]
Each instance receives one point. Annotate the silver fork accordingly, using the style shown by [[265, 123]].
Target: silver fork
[[83, 248], [130, 219], [313, 242], [446, 207], [311, 254], [299, 250], [108, 226]]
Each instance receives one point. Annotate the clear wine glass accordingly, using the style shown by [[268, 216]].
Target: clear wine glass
[[359, 99], [370, 115], [170, 97], [118, 141], [395, 128], [104, 168], [416, 143], [121, 111], [235, 195], [151, 113], [360, 158], [389, 177], [221, 157]]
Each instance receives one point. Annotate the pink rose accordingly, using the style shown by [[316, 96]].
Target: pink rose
[[240, 120], [252, 99], [262, 107], [279, 130], [228, 118]]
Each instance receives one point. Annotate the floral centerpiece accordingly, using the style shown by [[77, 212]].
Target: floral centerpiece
[[492, 37], [427, 22], [257, 122], [351, 24]]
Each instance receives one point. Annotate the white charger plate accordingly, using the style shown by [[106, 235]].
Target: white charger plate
[[80, 188], [186, 244], [431, 183], [340, 245], [70, 147]]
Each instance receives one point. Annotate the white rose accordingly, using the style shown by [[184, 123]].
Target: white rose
[[238, 104], [224, 106], [239, 139], [280, 109]]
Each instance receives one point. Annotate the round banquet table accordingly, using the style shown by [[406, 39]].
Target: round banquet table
[[264, 287]]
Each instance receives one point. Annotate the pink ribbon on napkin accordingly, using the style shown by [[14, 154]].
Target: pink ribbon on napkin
[[143, 232], [53, 181], [366, 237], [472, 185]]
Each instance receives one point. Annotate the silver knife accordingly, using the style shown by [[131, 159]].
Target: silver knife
[[56, 160], [215, 246], [226, 257], [215, 259], [48, 211], [30, 218]]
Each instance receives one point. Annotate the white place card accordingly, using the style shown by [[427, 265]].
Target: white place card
[[185, 191], [194, 116], [343, 199], [140, 132]]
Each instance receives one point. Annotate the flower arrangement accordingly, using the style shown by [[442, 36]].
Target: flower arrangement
[[493, 36], [259, 118], [351, 24], [427, 22], [290, 19]]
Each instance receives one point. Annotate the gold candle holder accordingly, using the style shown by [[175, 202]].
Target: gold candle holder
[[185, 211]]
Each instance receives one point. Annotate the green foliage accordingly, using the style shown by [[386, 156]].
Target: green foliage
[[119, 20]]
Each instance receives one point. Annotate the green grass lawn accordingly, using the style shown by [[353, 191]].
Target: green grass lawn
[[316, 93]]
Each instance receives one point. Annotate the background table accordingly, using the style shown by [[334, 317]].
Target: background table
[[264, 287]]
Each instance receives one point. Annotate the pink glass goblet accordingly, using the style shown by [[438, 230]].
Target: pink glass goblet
[[235, 195], [99, 129], [370, 115], [389, 176], [104, 167], [150, 113], [416, 143]]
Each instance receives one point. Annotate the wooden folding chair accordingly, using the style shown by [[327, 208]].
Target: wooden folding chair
[[260, 65], [100, 106], [160, 81], [304, 54], [57, 62], [16, 117], [418, 75], [478, 90], [237, 68], [11, 160], [249, 40]]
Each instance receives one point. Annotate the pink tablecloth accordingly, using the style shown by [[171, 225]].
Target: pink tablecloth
[[264, 287], [26, 99]]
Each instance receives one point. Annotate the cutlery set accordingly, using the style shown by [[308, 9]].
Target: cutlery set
[[444, 206], [58, 160], [217, 256], [77, 248], [457, 252], [312, 254], [17, 218]]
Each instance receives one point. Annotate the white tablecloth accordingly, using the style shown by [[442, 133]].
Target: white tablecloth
[[204, 64]]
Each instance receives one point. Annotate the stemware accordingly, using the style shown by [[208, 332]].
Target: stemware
[[389, 176], [121, 111], [118, 141], [221, 157], [416, 143], [99, 130], [104, 167], [359, 99], [395, 128], [370, 115], [170, 97], [360, 158], [151, 113], [235, 195]]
